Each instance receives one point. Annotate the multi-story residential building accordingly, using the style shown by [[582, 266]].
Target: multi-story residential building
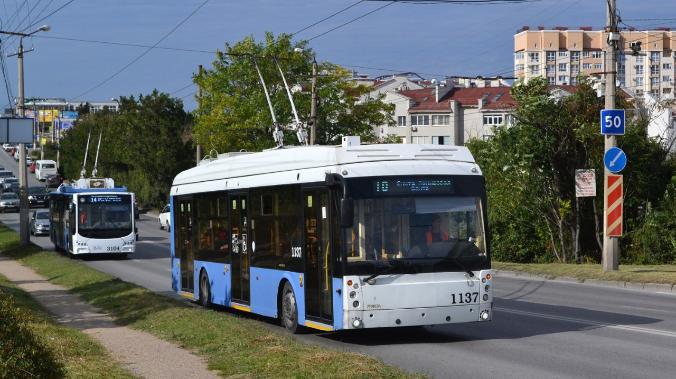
[[447, 114], [561, 55]]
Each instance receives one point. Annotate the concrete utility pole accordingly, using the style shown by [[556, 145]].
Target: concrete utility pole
[[198, 148], [24, 236], [313, 105], [611, 245]]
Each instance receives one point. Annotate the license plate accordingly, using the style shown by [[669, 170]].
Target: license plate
[[464, 298]]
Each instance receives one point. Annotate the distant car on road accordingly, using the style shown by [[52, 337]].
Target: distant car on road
[[44, 168], [9, 201], [40, 222], [37, 197], [53, 181], [4, 175], [14, 187], [165, 218], [7, 183], [7, 146], [29, 161]]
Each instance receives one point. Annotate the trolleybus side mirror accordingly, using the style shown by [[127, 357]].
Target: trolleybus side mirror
[[346, 212]]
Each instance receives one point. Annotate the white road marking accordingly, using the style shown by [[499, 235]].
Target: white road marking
[[637, 329]]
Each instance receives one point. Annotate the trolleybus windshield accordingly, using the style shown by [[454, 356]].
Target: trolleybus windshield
[[416, 225], [104, 215]]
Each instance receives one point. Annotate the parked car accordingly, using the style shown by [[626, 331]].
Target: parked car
[[165, 218], [14, 187], [53, 181], [7, 183], [37, 197], [32, 168], [29, 160], [7, 146], [9, 201], [40, 222]]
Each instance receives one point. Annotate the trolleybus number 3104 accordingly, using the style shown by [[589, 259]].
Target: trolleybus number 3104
[[464, 298]]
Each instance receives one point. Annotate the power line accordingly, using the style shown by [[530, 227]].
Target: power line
[[113, 43], [351, 21], [328, 17], [109, 78], [55, 11]]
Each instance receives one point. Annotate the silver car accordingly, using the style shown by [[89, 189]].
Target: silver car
[[9, 201], [40, 222]]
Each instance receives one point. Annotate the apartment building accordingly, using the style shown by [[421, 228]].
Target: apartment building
[[445, 114], [561, 54]]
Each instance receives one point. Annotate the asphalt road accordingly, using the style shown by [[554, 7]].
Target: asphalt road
[[539, 330]]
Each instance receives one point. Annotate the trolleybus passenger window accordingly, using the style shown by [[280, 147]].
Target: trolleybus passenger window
[[275, 228]]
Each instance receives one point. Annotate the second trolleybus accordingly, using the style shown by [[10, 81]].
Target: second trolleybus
[[92, 217], [336, 237]]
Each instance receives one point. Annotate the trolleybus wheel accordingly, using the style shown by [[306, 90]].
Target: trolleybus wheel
[[205, 290], [289, 314]]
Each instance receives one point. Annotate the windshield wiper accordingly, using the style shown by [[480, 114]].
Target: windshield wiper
[[387, 269], [462, 266]]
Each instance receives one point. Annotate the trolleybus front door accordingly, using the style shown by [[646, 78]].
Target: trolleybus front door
[[318, 300], [183, 243], [239, 216]]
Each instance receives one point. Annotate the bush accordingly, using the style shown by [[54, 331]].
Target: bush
[[655, 241], [22, 355]]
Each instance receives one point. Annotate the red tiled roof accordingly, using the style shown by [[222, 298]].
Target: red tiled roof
[[495, 98]]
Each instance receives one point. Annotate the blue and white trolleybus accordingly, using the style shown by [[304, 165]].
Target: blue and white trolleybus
[[336, 237], [92, 216]]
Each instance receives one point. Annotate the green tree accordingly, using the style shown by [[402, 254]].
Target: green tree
[[143, 146], [530, 170], [233, 113]]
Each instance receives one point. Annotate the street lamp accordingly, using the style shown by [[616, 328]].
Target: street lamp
[[24, 237]]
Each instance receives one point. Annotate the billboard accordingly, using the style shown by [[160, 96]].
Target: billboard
[[16, 130]]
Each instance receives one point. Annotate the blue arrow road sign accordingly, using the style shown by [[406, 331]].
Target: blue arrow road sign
[[615, 160], [612, 121]]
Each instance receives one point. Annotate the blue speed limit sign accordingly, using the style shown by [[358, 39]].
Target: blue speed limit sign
[[612, 121]]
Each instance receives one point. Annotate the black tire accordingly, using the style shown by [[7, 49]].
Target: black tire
[[289, 309], [205, 290], [168, 227]]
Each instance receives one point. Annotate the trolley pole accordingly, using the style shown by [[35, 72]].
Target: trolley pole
[[313, 105], [611, 245]]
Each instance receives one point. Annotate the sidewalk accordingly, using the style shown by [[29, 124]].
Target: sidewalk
[[635, 286], [141, 353]]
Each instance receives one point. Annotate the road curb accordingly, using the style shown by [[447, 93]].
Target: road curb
[[649, 287]]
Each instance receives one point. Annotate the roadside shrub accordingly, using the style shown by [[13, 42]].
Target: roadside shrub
[[22, 355], [655, 241]]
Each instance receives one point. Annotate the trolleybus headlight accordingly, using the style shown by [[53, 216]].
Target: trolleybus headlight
[[488, 276], [485, 297], [355, 304], [349, 282], [487, 287], [355, 286], [484, 315], [357, 323], [352, 294]]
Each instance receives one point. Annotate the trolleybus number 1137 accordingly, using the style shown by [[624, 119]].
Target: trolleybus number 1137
[[464, 298]]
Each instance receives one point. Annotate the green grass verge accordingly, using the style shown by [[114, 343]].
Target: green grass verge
[[232, 345], [76, 352], [664, 274]]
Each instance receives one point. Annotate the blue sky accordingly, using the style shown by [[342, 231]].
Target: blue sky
[[436, 40]]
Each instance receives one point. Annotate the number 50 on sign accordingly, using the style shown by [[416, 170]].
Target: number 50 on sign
[[612, 121]]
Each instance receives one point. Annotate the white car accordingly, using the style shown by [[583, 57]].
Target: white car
[[7, 146], [165, 218]]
